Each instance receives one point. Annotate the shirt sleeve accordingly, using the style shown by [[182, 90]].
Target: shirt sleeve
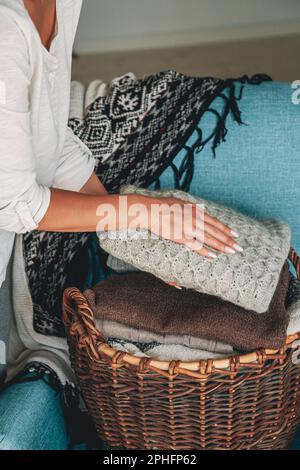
[[76, 164], [23, 202]]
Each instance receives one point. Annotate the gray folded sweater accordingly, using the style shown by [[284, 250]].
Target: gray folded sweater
[[114, 329], [247, 279], [166, 352]]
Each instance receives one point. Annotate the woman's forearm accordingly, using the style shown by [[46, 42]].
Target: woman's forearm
[[93, 210], [79, 212], [93, 186]]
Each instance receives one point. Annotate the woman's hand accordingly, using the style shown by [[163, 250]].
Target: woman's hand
[[94, 210], [189, 224]]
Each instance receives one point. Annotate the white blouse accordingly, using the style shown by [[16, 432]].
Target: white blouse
[[37, 149]]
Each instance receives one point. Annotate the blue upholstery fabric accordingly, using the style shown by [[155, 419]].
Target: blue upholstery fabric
[[257, 169], [32, 418]]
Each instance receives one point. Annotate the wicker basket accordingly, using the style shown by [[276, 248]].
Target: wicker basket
[[249, 401]]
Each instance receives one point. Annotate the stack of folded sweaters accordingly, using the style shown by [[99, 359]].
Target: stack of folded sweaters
[[234, 303], [141, 314]]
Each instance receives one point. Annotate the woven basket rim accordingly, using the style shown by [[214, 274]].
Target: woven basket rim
[[97, 344]]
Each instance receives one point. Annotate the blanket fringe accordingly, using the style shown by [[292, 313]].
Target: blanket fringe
[[184, 174]]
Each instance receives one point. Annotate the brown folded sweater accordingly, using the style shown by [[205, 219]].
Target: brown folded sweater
[[141, 300]]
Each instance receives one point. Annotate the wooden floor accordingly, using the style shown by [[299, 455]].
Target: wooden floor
[[278, 57]]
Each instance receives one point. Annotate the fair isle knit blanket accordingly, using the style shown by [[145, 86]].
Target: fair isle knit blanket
[[135, 128]]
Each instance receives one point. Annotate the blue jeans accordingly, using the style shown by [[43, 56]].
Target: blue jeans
[[32, 418]]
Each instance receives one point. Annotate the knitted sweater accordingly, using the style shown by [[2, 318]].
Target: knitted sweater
[[247, 279], [141, 300], [120, 331]]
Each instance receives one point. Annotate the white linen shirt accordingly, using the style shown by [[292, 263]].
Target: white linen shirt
[[37, 149]]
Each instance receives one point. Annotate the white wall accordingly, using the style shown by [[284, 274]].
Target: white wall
[[130, 24]]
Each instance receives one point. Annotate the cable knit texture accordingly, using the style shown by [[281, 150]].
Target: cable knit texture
[[247, 279]]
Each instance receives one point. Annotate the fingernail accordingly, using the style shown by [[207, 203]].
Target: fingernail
[[172, 284], [229, 250], [234, 234], [238, 247], [211, 254]]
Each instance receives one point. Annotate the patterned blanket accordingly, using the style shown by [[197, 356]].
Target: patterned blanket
[[135, 129]]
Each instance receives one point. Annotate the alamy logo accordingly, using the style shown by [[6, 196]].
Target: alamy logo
[[296, 94], [2, 353]]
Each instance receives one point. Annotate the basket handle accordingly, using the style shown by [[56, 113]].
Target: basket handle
[[81, 316]]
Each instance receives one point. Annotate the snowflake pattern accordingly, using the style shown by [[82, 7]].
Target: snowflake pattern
[[128, 102]]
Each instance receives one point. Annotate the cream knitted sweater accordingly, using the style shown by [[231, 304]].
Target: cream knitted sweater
[[247, 279]]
